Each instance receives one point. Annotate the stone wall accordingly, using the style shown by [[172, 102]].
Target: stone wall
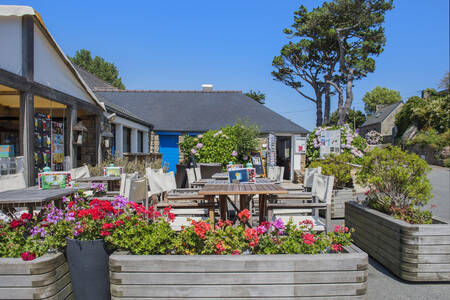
[[153, 142], [389, 122], [180, 153]]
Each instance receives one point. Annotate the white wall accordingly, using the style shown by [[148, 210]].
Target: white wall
[[51, 70], [11, 44]]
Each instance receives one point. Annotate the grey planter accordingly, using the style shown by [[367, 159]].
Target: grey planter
[[46, 277], [338, 200], [410, 251], [338, 276]]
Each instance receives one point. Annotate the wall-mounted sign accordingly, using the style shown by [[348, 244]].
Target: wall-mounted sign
[[258, 163], [300, 145]]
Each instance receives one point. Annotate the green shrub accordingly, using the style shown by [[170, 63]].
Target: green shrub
[[230, 143], [338, 166], [432, 138], [395, 179], [128, 166]]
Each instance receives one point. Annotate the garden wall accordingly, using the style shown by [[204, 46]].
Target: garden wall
[[46, 277], [326, 276], [412, 252], [338, 200]]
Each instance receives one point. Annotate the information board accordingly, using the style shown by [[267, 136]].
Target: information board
[[258, 163], [330, 142]]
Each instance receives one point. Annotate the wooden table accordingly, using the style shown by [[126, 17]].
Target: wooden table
[[112, 181], [220, 176], [33, 196], [244, 191]]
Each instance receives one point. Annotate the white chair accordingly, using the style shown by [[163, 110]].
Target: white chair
[[190, 173], [125, 181], [322, 190], [198, 174], [309, 176], [280, 174], [81, 172], [136, 190], [12, 182]]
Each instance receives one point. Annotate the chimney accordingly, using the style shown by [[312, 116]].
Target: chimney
[[207, 87], [379, 107]]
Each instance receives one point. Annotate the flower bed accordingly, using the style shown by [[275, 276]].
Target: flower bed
[[46, 277], [341, 276], [414, 252]]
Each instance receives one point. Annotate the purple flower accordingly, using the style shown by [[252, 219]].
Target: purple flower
[[98, 187], [234, 153], [120, 202], [54, 215], [199, 145], [279, 225], [70, 216], [193, 151], [38, 230], [246, 157]]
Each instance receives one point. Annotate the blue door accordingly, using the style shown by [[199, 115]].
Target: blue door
[[168, 146]]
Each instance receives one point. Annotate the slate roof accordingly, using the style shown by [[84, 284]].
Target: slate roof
[[199, 111], [381, 115], [93, 81]]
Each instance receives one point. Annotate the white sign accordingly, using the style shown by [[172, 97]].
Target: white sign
[[330, 142], [300, 145]]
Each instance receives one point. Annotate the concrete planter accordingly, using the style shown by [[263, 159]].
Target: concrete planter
[[46, 277], [414, 252], [338, 200], [337, 276]]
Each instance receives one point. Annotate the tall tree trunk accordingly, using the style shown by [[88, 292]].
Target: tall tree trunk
[[326, 114], [318, 109], [348, 97]]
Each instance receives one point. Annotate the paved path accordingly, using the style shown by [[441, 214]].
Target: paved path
[[440, 180]]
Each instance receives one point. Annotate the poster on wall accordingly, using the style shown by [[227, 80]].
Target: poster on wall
[[300, 145], [271, 150], [57, 146], [42, 141], [330, 142]]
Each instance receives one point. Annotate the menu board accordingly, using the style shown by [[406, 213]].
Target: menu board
[[300, 145], [330, 142], [271, 150], [42, 141], [258, 163], [57, 146]]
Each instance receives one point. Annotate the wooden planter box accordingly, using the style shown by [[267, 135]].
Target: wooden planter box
[[338, 200], [338, 276], [46, 277], [412, 252]]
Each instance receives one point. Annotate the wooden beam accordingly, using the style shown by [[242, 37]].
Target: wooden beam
[[18, 82], [98, 138], [70, 148], [27, 136], [9, 93], [28, 47]]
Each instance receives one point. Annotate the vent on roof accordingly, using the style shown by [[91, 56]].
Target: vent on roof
[[207, 87]]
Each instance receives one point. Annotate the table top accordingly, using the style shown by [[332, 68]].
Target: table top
[[36, 195], [242, 189], [222, 175], [98, 178]]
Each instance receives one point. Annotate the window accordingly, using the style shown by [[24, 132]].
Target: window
[[126, 139], [140, 141]]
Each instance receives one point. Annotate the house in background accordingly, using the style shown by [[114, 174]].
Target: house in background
[[178, 113], [382, 121]]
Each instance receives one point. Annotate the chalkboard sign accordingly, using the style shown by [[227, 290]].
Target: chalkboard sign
[[258, 163]]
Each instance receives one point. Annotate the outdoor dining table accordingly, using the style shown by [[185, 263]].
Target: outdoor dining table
[[263, 189], [33, 196], [113, 182]]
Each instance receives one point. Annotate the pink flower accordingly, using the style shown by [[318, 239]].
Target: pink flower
[[193, 151], [26, 256], [199, 145], [234, 153]]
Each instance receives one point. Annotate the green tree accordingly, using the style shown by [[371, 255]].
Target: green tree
[[99, 67], [380, 95], [357, 28], [355, 118], [258, 96], [445, 81], [308, 61]]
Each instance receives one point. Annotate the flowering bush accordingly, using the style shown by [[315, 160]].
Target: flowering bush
[[351, 143], [373, 137], [230, 143], [397, 183]]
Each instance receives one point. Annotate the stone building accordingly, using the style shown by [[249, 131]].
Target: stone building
[[382, 121]]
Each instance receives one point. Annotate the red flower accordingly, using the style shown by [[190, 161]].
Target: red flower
[[308, 238], [340, 229], [336, 247], [220, 248], [236, 252], [200, 228], [71, 203], [108, 226], [26, 216], [244, 215], [16, 223], [251, 235], [105, 233], [28, 256], [118, 223]]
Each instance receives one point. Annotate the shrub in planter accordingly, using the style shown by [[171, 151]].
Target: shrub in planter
[[337, 166], [230, 143], [397, 183]]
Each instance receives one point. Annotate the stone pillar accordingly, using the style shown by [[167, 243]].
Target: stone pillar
[[145, 142], [134, 140], [119, 140], [70, 148]]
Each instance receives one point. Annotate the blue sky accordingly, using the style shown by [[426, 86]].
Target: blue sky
[[183, 44]]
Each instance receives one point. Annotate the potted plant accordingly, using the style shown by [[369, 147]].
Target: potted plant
[[391, 225], [231, 260], [341, 168]]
